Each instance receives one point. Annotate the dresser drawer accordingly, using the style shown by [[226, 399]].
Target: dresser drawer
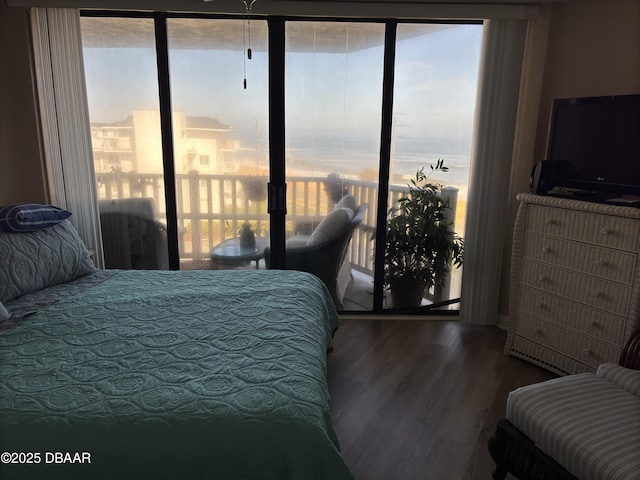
[[608, 296], [584, 349], [576, 316], [601, 262], [605, 230]]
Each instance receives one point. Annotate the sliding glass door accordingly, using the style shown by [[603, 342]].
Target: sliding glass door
[[333, 118], [220, 110], [187, 113], [435, 83], [122, 90]]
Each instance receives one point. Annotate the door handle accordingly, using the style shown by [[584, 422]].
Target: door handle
[[277, 198]]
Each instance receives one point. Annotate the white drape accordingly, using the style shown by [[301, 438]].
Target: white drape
[[65, 119], [487, 203]]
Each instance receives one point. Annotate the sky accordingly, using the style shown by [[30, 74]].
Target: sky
[[435, 84]]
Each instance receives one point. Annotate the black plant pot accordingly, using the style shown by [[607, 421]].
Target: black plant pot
[[247, 237], [406, 292]]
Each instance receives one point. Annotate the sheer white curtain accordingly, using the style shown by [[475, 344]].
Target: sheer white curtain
[[487, 207], [65, 119]]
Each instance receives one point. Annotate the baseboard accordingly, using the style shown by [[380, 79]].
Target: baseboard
[[412, 317]]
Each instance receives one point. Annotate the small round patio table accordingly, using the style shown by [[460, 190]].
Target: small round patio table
[[230, 251]]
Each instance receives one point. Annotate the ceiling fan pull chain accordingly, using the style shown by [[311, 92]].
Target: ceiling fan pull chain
[[246, 36]]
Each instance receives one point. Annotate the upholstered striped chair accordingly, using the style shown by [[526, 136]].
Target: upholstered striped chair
[[584, 426]]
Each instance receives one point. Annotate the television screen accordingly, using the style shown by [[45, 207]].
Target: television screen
[[594, 143]]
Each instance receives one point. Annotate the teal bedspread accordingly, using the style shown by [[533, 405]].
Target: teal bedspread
[[174, 375]]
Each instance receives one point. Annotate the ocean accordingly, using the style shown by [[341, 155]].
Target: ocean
[[351, 156]]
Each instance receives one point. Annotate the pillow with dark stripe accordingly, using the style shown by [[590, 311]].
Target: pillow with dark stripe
[[29, 217]]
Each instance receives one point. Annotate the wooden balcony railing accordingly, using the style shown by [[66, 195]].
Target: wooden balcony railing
[[211, 208]]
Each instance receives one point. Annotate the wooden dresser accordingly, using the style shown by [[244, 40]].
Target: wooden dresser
[[575, 282]]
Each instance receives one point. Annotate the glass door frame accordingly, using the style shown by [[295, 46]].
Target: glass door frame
[[277, 146], [276, 190], [384, 162], [166, 128]]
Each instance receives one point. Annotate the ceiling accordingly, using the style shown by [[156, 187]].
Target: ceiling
[[226, 34], [223, 34], [401, 9]]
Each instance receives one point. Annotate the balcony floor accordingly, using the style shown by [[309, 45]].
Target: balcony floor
[[358, 295]]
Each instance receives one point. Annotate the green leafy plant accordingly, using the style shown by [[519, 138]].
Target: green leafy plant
[[420, 245]]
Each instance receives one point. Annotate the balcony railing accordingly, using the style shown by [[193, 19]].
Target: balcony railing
[[211, 208]]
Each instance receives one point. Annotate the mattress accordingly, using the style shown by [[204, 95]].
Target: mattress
[[159, 374]]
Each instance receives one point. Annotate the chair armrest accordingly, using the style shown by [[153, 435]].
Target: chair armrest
[[626, 378], [309, 258], [630, 356]]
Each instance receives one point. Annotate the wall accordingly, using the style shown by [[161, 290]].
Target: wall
[[592, 49], [22, 176]]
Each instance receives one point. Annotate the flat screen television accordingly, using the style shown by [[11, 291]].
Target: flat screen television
[[594, 144]]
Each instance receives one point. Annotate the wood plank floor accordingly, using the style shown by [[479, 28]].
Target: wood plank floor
[[419, 399]]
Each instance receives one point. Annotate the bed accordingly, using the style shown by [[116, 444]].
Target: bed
[[160, 374]]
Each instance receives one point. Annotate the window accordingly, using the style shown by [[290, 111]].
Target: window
[[334, 123], [225, 125], [435, 87]]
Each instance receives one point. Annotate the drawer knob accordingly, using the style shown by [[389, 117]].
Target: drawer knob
[[587, 353], [546, 249], [596, 294], [601, 263], [538, 331], [548, 221], [542, 278], [605, 231], [593, 324], [542, 306]]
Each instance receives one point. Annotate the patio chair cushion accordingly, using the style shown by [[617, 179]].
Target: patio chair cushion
[[139, 207], [348, 201], [297, 241], [332, 226]]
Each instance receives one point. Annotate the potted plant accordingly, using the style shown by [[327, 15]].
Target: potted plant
[[246, 233], [420, 244], [255, 188]]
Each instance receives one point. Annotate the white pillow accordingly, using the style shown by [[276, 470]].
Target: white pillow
[[331, 226]]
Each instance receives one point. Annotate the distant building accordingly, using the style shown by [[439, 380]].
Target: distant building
[[134, 144]]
